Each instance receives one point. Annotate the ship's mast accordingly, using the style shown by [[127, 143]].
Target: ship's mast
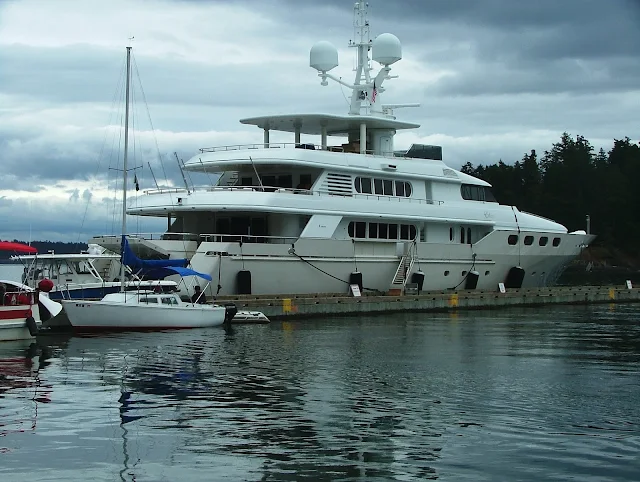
[[125, 167], [362, 42]]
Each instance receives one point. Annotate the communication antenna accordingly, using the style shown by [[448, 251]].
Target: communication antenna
[[182, 172]]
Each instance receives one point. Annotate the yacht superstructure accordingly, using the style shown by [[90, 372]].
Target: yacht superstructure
[[349, 208]]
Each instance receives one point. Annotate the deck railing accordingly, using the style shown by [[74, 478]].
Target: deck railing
[[288, 190]]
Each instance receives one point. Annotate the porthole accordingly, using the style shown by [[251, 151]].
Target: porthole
[[513, 239], [556, 242], [528, 240], [446, 273], [543, 241], [486, 273], [533, 274], [464, 273]]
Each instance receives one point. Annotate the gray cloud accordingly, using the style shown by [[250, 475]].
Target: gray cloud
[[495, 79]]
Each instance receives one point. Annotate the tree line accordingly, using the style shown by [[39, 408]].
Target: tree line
[[571, 182], [47, 246]]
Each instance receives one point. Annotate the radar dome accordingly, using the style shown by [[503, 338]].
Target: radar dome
[[323, 56], [386, 49]]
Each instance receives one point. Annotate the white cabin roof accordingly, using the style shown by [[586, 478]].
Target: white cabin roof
[[336, 124]]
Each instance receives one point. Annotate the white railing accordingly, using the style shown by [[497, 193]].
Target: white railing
[[294, 145], [289, 190]]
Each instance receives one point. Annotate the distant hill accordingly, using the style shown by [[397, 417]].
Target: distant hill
[[46, 246]]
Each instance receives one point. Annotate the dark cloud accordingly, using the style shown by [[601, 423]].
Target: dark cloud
[[495, 78]]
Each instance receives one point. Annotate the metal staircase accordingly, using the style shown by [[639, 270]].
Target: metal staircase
[[404, 269]]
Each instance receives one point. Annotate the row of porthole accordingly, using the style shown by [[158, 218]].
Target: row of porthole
[[528, 240]]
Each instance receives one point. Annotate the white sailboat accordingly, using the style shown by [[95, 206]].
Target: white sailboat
[[142, 309]]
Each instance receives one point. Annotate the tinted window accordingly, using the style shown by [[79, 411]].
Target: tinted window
[[513, 239], [366, 185], [393, 231], [399, 188], [361, 229], [407, 189], [528, 240], [377, 183], [351, 229], [373, 230], [543, 241], [388, 187], [556, 242], [412, 232]]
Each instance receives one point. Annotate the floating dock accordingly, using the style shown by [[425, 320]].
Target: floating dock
[[322, 305]]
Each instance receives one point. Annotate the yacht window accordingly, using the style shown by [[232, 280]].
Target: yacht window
[[543, 241], [388, 187], [366, 185], [351, 229], [404, 231], [450, 234], [305, 180], [357, 184], [528, 240], [361, 230], [383, 230], [412, 231], [269, 182], [393, 231], [513, 239], [285, 180], [373, 230], [407, 189], [556, 242], [400, 188], [246, 181], [472, 192], [377, 184], [462, 235], [469, 235], [148, 300]]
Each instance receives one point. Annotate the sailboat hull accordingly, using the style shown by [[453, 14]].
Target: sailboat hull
[[107, 316]]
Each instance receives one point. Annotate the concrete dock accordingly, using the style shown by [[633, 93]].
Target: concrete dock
[[321, 305], [289, 307]]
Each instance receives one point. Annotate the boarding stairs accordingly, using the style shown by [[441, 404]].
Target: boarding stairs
[[405, 266]]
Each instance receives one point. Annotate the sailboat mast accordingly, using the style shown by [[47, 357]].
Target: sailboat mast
[[125, 165]]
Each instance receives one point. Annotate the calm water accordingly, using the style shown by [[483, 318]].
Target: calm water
[[510, 395]]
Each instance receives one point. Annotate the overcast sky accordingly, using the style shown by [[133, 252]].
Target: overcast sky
[[495, 79]]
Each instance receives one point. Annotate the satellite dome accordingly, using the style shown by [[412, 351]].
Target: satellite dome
[[386, 49], [323, 56]]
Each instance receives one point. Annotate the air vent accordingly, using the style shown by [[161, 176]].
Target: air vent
[[449, 173], [338, 184]]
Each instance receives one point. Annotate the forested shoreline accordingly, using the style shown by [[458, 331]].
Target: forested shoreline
[[570, 182]]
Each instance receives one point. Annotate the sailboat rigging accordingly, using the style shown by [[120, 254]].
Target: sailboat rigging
[[143, 309]]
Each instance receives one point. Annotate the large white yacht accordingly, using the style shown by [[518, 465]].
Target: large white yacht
[[349, 208]]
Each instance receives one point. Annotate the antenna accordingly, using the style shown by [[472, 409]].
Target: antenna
[[153, 176], [182, 172], [257, 175]]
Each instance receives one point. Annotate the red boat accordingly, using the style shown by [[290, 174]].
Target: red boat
[[23, 309]]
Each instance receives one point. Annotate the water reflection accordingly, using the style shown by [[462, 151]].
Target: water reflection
[[522, 395]]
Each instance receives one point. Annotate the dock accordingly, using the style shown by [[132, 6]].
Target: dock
[[291, 307], [287, 307]]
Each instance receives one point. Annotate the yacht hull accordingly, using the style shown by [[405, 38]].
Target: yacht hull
[[325, 265]]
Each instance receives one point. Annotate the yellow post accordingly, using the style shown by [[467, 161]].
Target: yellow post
[[286, 305], [612, 293], [453, 300]]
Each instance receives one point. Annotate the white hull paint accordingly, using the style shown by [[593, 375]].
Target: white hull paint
[[101, 315], [15, 329], [275, 271]]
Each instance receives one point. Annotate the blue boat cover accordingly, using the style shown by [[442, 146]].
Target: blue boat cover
[[156, 268]]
